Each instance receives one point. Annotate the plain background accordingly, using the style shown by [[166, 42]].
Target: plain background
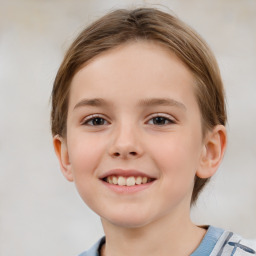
[[40, 212]]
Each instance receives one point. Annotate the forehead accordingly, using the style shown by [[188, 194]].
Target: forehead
[[135, 69]]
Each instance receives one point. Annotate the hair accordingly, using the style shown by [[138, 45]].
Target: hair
[[122, 26]]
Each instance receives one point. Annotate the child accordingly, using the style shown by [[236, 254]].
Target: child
[[138, 120]]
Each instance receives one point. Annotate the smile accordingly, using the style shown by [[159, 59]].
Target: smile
[[127, 181]]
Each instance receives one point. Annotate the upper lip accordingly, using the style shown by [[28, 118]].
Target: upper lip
[[124, 173]]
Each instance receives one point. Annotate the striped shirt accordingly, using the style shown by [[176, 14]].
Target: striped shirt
[[216, 242]]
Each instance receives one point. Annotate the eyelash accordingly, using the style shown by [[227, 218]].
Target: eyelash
[[94, 117], [91, 118], [164, 117]]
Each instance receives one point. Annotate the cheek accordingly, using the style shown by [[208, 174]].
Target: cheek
[[177, 156], [84, 154], [177, 160]]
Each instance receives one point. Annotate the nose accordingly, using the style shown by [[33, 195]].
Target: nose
[[125, 143]]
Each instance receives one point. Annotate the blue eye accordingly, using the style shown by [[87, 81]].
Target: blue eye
[[95, 121], [160, 120]]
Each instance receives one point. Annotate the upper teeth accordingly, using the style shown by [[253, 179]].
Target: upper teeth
[[127, 181]]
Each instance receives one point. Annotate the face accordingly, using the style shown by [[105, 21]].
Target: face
[[134, 138]]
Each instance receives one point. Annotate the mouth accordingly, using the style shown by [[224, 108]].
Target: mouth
[[126, 178], [127, 181]]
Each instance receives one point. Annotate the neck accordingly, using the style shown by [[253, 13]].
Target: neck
[[166, 236]]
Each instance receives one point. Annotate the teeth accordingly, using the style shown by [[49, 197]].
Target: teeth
[[127, 181], [130, 181], [115, 180], [144, 180], [121, 181], [109, 180], [138, 180]]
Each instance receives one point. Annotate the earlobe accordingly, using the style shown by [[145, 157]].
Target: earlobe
[[213, 152], [61, 150]]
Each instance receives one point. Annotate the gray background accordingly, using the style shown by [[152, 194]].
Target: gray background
[[40, 212]]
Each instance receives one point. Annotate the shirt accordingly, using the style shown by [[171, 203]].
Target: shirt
[[216, 242]]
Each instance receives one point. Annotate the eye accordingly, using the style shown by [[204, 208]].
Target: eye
[[161, 120], [94, 120]]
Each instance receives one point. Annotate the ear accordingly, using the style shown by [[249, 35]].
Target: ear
[[61, 151], [213, 152]]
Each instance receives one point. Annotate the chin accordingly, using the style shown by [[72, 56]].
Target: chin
[[130, 224], [128, 220]]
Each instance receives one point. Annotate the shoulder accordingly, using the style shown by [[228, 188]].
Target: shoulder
[[94, 250], [230, 243]]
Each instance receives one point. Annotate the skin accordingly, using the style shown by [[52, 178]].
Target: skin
[[154, 221]]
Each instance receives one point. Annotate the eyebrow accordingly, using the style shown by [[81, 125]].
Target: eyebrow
[[98, 102], [162, 102]]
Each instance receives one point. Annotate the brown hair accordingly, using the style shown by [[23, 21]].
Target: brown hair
[[121, 26]]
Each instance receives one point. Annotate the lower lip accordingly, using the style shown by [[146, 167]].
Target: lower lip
[[127, 189]]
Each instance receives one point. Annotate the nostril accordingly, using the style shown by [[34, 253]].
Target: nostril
[[116, 154]]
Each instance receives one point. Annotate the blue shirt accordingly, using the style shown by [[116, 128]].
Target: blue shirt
[[216, 242]]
